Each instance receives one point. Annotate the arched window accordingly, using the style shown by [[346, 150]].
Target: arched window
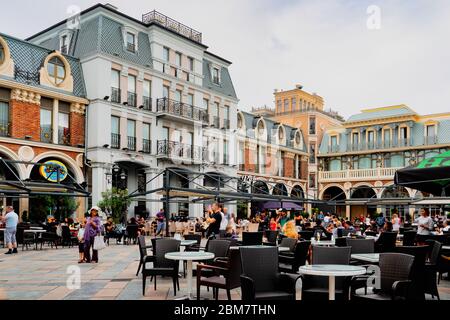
[[2, 54], [280, 133], [298, 138], [56, 70], [260, 128], [240, 122]]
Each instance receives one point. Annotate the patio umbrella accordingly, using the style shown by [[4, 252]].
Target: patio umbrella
[[432, 175]]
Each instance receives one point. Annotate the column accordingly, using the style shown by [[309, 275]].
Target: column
[[196, 209], [99, 181], [55, 125], [152, 205]]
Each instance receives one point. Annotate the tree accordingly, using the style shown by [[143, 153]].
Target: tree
[[59, 206], [116, 202]]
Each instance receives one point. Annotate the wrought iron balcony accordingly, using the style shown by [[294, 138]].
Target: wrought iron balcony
[[226, 123], [430, 140], [115, 141], [64, 136], [115, 95], [372, 145], [26, 76], [4, 128], [147, 103], [216, 122], [64, 49], [132, 97], [333, 148], [176, 150], [146, 146], [166, 22], [131, 47], [131, 143], [46, 134], [165, 106]]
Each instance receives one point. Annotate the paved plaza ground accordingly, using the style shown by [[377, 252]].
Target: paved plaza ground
[[43, 275]]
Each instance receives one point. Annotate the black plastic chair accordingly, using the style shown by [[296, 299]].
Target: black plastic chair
[[361, 245], [316, 287], [252, 238], [292, 264], [196, 246], [28, 239], [261, 280], [409, 238], [395, 275], [131, 233], [143, 255], [49, 237], [386, 242], [161, 265]]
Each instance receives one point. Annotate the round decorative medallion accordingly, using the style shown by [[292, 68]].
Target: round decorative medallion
[[26, 153], [378, 184]]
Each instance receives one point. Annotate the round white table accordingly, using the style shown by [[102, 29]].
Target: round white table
[[332, 271], [189, 257]]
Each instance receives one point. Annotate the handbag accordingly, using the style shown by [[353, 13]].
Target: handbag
[[99, 243]]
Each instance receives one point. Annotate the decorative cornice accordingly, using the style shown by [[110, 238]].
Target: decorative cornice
[[26, 96], [77, 108]]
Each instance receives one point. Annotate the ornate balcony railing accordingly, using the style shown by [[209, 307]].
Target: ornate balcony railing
[[163, 20], [147, 103], [131, 47], [357, 174], [46, 134], [146, 146], [180, 109], [430, 140], [132, 97], [4, 128], [173, 149], [226, 123], [372, 145], [131, 143], [64, 136], [115, 95], [216, 122], [115, 140], [26, 76]]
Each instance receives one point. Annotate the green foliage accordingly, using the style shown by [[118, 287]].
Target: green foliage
[[116, 202], [59, 206]]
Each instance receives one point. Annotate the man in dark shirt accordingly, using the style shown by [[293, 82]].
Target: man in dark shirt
[[214, 220]]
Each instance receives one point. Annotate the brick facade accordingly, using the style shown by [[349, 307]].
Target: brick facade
[[289, 170], [76, 127], [25, 120], [250, 160]]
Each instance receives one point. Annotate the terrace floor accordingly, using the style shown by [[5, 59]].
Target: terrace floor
[[43, 275]]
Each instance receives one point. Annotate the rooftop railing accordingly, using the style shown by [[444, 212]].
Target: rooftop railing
[[171, 24]]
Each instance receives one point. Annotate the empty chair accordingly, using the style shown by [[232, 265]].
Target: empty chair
[[144, 257], [361, 245], [340, 242], [288, 243], [316, 287], [252, 238], [431, 268], [395, 275], [161, 265], [417, 287], [220, 249], [196, 246], [306, 234], [226, 275], [409, 237], [260, 279], [28, 239], [291, 264], [272, 237], [386, 242]]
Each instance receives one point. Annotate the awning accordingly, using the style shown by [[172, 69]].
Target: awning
[[282, 205], [433, 201], [432, 175]]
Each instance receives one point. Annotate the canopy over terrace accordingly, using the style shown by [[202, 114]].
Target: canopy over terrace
[[53, 184], [227, 189]]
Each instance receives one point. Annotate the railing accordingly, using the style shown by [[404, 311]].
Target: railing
[[173, 149], [26, 76], [46, 134], [147, 103], [115, 95], [165, 105], [333, 148], [146, 146], [163, 20], [131, 47], [115, 140], [216, 80], [430, 140], [357, 174], [216, 122], [64, 136], [4, 128], [131, 145], [372, 145], [131, 99], [226, 123]]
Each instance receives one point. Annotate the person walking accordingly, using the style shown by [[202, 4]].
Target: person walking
[[11, 219], [92, 229], [161, 222]]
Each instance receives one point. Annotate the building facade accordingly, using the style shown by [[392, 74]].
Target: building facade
[[42, 118], [158, 98], [358, 159], [272, 156]]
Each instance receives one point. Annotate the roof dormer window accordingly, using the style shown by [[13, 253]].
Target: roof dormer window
[[131, 42], [64, 48], [56, 70], [216, 75]]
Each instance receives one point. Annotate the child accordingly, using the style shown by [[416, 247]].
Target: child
[[81, 242]]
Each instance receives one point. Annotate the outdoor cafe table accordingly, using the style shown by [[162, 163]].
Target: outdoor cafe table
[[328, 243], [280, 249], [445, 247], [332, 271], [189, 257], [366, 257]]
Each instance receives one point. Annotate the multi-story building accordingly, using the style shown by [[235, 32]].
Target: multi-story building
[[159, 99], [271, 156], [303, 110], [42, 120], [358, 159]]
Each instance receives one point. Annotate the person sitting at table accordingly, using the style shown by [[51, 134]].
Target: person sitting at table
[[319, 228], [445, 226], [387, 227], [273, 224], [289, 230]]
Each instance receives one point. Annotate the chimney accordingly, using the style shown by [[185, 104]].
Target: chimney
[[110, 6], [275, 90], [299, 86]]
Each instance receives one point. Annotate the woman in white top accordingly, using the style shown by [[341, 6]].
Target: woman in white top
[[395, 222], [424, 225]]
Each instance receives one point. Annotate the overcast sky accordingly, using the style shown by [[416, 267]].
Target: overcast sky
[[324, 45]]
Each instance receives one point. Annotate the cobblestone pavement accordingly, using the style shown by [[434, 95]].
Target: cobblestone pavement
[[43, 275]]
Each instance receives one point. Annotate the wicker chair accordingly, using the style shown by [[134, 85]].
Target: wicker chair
[[431, 268], [417, 287], [386, 242], [292, 264], [395, 275], [144, 257], [409, 237], [261, 280], [272, 237], [252, 238], [361, 245]]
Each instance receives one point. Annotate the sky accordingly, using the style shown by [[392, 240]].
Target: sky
[[356, 54]]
